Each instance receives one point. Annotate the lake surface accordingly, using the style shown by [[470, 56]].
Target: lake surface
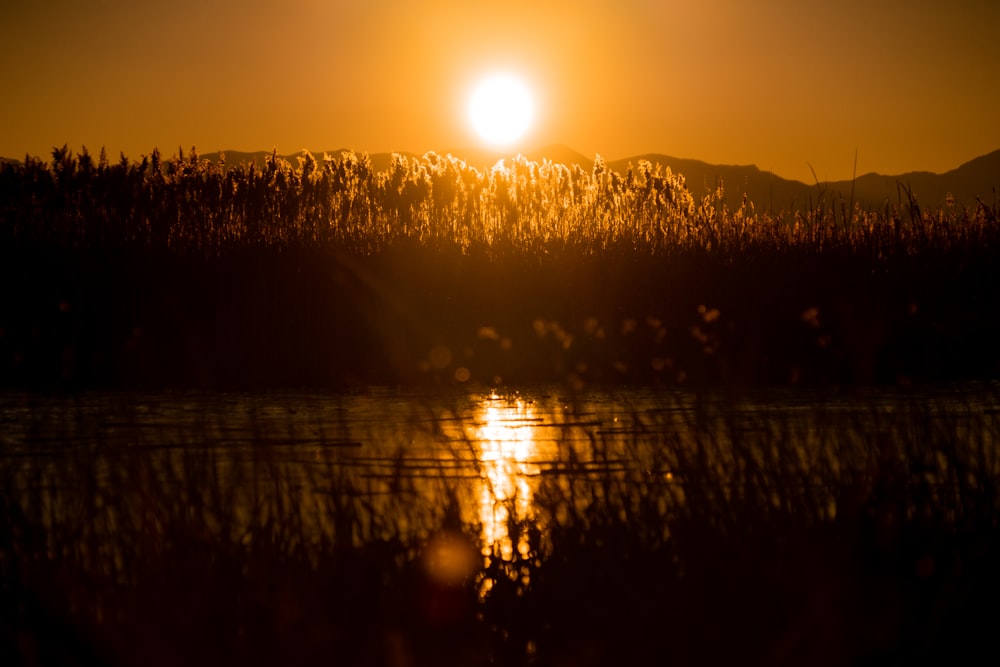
[[395, 463]]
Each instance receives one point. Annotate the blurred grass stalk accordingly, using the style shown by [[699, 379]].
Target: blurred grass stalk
[[814, 534]]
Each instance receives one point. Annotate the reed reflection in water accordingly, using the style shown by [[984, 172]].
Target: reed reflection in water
[[504, 430], [534, 527]]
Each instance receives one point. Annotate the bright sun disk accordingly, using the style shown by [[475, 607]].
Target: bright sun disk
[[501, 109]]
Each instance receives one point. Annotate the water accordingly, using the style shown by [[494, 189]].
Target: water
[[539, 526], [402, 452], [392, 464]]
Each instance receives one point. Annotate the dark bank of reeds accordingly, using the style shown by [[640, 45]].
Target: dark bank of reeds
[[182, 272], [724, 532]]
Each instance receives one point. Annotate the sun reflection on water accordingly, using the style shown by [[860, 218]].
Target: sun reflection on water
[[505, 431]]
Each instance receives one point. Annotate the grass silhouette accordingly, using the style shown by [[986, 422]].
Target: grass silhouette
[[183, 272]]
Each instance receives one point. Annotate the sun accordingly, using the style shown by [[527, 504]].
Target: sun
[[501, 109]]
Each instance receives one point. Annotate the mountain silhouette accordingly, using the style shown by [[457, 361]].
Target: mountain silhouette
[[977, 179], [971, 182]]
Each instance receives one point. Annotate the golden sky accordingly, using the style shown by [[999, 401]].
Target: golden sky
[[783, 84]]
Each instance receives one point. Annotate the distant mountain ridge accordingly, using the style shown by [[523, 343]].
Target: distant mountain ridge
[[978, 179]]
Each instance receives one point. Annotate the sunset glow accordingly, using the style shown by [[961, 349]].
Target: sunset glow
[[726, 83]]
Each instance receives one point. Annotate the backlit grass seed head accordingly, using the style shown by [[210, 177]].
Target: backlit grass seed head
[[188, 205]]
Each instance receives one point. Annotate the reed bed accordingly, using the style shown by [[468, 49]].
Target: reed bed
[[182, 272], [714, 529], [189, 205]]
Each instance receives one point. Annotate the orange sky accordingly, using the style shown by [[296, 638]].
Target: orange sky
[[778, 83]]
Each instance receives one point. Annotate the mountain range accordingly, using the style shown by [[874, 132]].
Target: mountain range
[[974, 181]]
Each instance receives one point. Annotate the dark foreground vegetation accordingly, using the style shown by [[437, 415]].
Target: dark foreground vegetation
[[705, 532], [815, 536], [187, 273]]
